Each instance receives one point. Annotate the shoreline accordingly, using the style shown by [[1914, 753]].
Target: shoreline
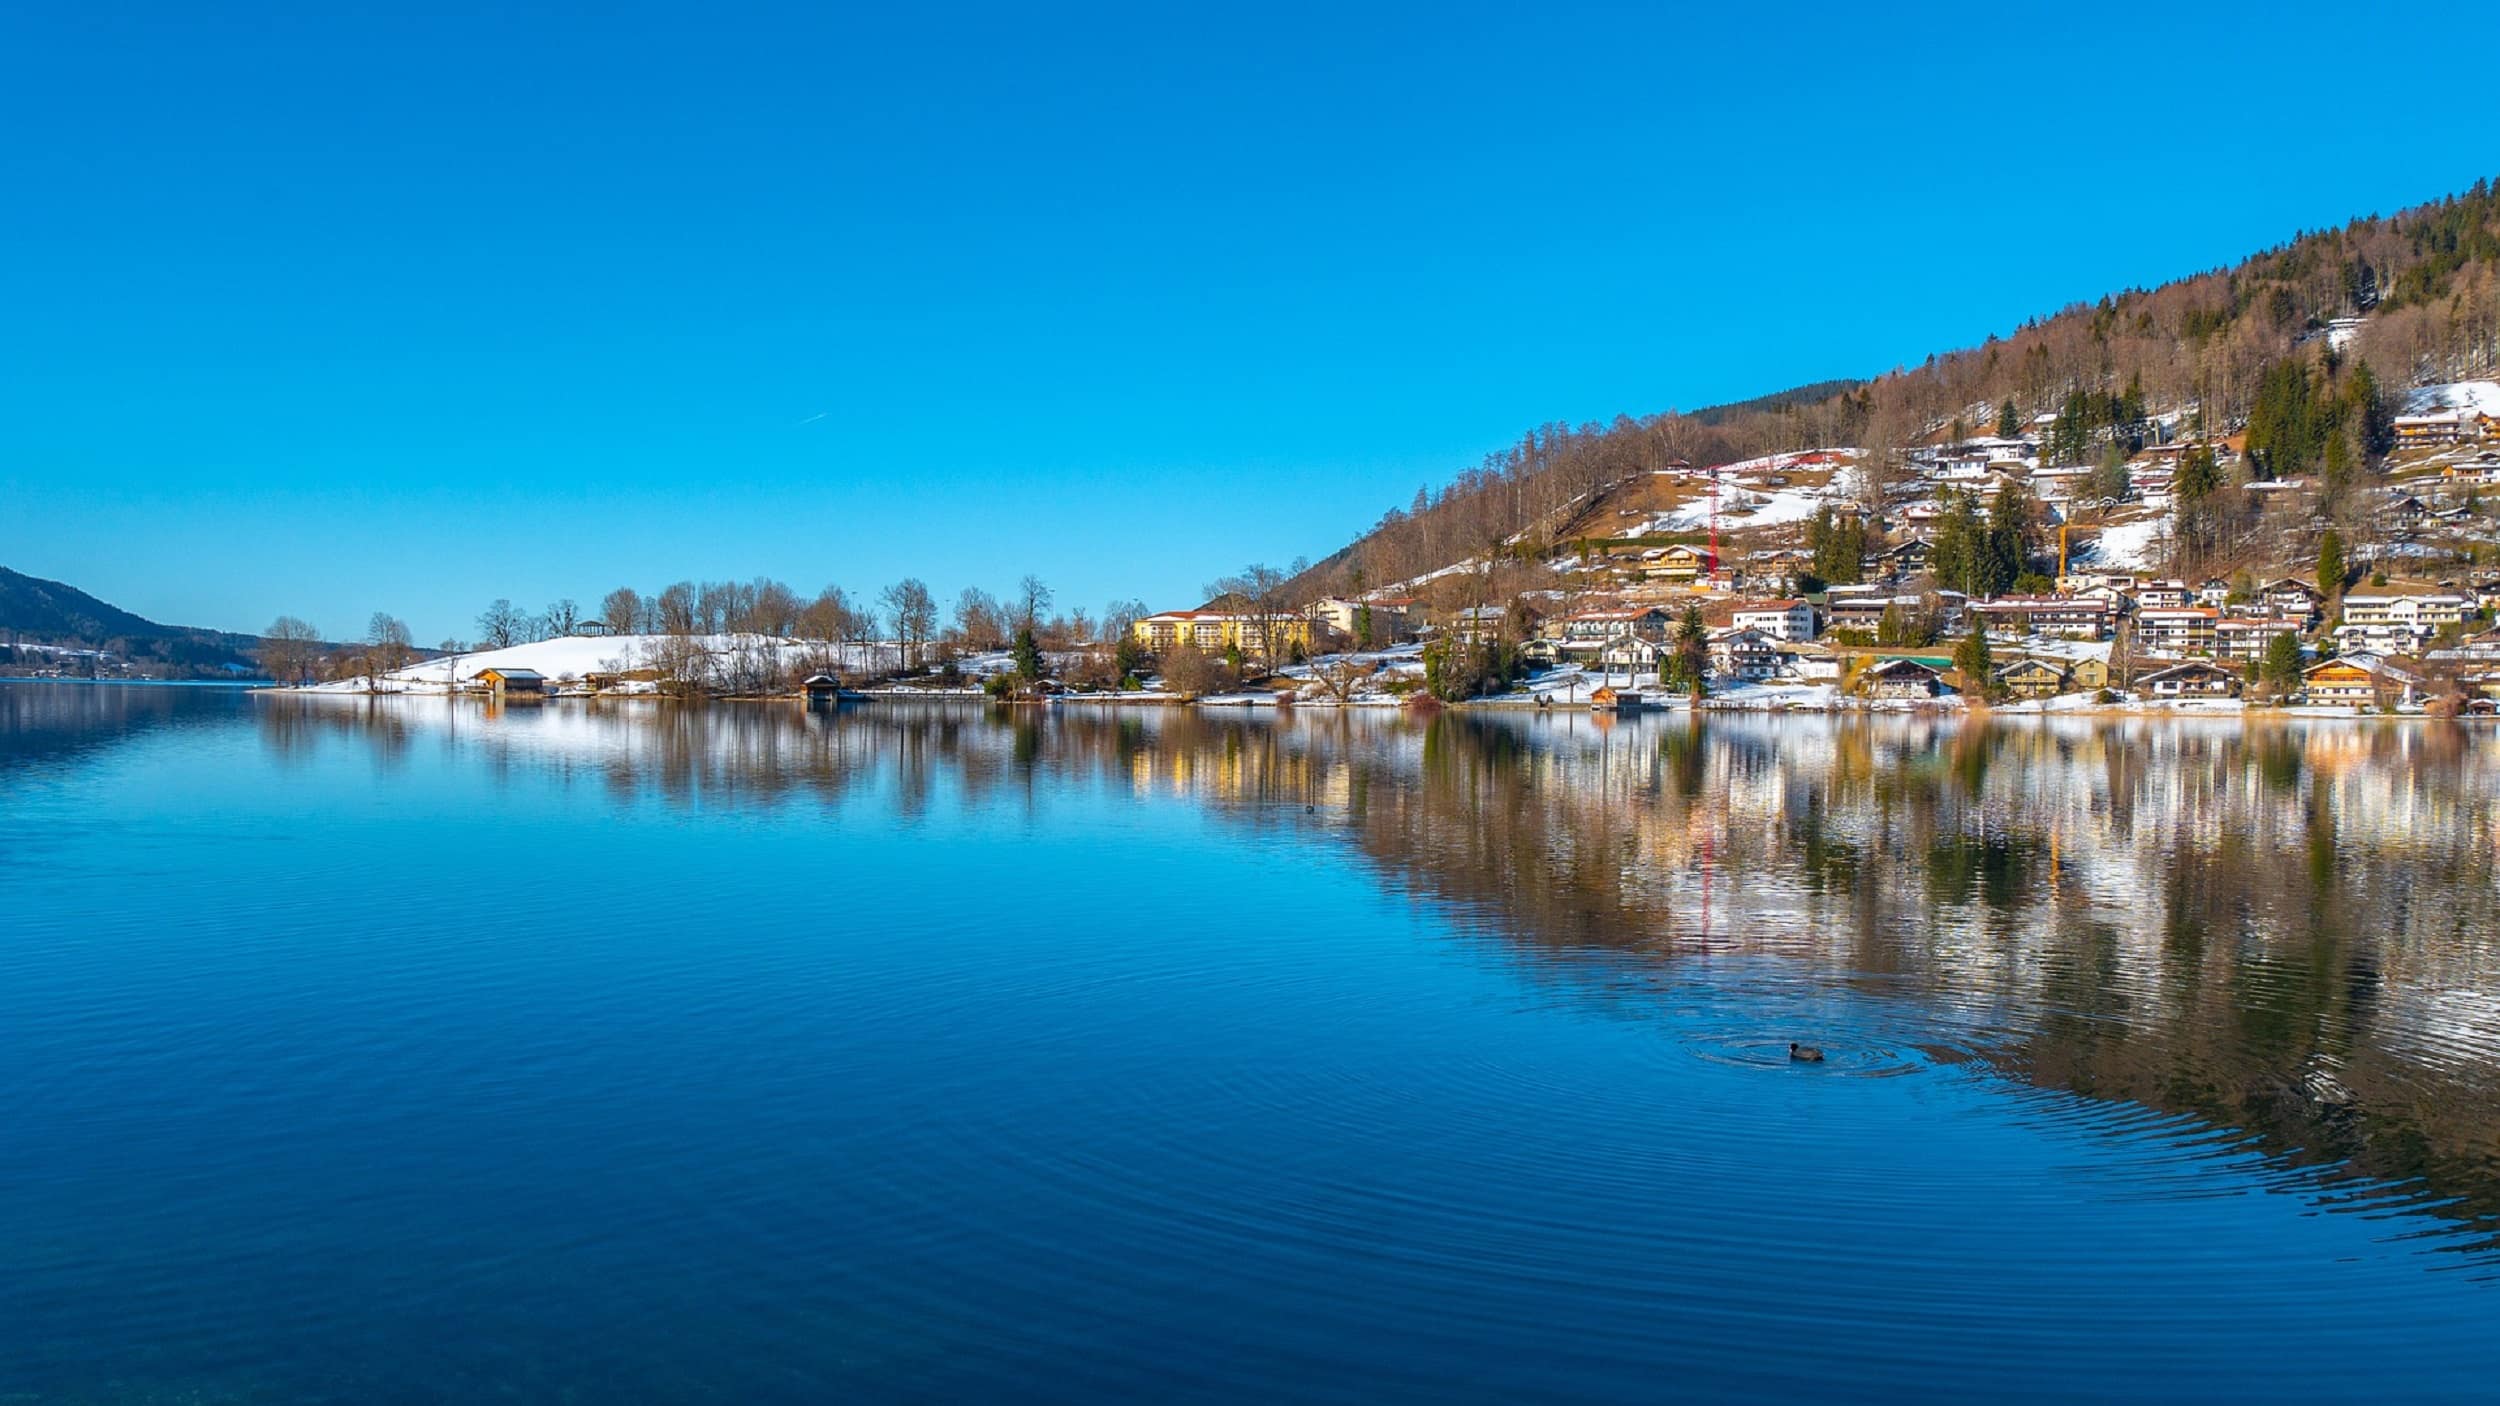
[[2199, 710]]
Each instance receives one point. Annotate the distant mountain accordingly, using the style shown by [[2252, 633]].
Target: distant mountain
[[55, 613], [35, 612]]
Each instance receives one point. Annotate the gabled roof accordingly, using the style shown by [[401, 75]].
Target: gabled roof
[[2366, 663], [2032, 666], [2191, 668]]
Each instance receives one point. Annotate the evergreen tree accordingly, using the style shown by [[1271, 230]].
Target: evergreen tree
[[1692, 651], [2366, 407], [1838, 545], [2197, 512], [2013, 536], [2334, 474], [2108, 478], [2009, 419], [1905, 629], [2131, 405], [1961, 546], [2292, 419], [2331, 565], [1028, 656], [2282, 666], [1971, 657], [2199, 478]]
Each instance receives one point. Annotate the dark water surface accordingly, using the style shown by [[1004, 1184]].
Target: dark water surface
[[358, 1052]]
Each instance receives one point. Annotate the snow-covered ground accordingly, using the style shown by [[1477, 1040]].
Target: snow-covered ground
[[567, 659], [2480, 396], [1793, 459], [1740, 507], [2128, 546]]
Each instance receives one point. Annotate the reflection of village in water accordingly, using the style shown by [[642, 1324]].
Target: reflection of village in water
[[2289, 931]]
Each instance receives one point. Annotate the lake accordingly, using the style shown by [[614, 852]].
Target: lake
[[406, 1051]]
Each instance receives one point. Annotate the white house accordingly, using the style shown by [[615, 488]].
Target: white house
[[2191, 680], [1745, 654], [1791, 620], [2176, 632]]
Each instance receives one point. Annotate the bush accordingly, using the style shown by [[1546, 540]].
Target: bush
[[1187, 669], [1455, 670]]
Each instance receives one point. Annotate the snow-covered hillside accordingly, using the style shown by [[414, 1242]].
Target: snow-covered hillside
[[2128, 546], [1740, 508], [2480, 396], [570, 658]]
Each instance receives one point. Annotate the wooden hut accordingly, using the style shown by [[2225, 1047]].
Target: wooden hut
[[821, 689], [512, 683]]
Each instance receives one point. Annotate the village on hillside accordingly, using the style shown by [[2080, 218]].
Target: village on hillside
[[1965, 569], [1819, 580]]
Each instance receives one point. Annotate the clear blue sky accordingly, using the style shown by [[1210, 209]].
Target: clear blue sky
[[327, 313]]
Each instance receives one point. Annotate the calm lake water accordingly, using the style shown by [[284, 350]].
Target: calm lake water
[[382, 1052]]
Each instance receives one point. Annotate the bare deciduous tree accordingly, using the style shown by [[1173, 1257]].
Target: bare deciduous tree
[[1260, 592], [387, 642], [1340, 673], [980, 622], [1032, 598], [500, 626], [1187, 670], [676, 613], [622, 609], [1120, 617], [290, 650], [913, 612], [771, 608]]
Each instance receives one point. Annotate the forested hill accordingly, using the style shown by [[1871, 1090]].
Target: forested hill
[[2409, 299], [34, 611]]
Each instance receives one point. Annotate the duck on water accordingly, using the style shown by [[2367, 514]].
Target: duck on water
[[1804, 1054]]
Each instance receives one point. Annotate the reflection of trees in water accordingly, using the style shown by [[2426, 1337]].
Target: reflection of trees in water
[[2286, 929], [46, 722]]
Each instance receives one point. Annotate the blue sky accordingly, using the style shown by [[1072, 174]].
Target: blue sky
[[326, 313]]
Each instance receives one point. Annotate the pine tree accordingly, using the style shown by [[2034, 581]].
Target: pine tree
[[1692, 651], [2366, 407], [2334, 475], [1838, 546], [1971, 657], [1961, 547], [2282, 666], [1028, 656], [2331, 567], [2008, 419], [2012, 532], [2200, 476], [2108, 479]]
